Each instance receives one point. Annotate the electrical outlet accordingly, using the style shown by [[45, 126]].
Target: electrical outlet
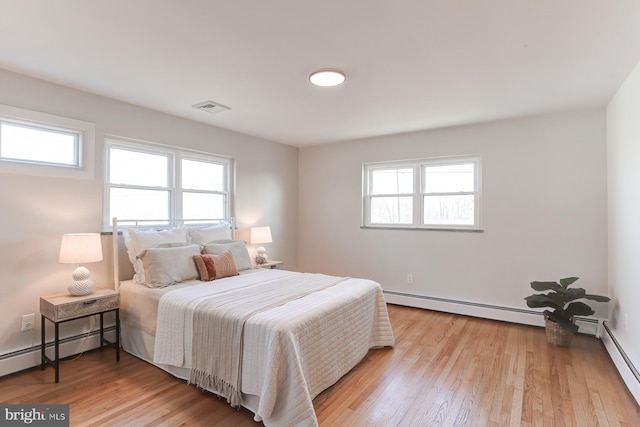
[[28, 322], [409, 278]]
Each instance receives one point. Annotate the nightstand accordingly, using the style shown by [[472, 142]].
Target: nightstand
[[272, 265], [65, 307]]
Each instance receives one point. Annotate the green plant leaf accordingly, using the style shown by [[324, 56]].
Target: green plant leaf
[[599, 298], [573, 294], [545, 286], [555, 315], [567, 281], [578, 309], [541, 300]]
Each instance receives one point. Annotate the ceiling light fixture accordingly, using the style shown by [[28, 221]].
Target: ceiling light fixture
[[327, 78]]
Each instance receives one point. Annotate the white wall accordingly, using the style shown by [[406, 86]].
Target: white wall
[[543, 213], [623, 153], [36, 211]]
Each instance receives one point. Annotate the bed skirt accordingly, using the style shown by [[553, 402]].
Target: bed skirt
[[140, 344]]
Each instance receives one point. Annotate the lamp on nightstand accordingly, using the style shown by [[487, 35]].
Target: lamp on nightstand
[[260, 235], [80, 248]]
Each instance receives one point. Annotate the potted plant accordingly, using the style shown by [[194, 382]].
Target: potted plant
[[560, 324]]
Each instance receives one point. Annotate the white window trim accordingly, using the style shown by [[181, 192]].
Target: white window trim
[[417, 165], [175, 154], [86, 131]]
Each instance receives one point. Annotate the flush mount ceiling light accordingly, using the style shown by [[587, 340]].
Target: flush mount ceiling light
[[327, 78]]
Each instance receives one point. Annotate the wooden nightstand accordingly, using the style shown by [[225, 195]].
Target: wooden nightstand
[[62, 308], [272, 265]]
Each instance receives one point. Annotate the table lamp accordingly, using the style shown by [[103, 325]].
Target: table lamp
[[261, 235], [80, 248]]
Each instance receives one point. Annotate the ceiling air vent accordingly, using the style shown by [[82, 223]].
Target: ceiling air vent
[[211, 107]]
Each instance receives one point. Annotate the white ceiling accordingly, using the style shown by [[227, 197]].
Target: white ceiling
[[410, 65]]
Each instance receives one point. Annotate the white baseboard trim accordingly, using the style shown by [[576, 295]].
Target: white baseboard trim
[[29, 357], [624, 365], [523, 316]]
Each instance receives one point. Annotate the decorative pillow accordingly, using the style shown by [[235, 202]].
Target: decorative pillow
[[213, 267], [202, 236], [166, 266], [237, 247], [137, 241]]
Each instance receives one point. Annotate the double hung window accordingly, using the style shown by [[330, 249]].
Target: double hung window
[[148, 182], [441, 193]]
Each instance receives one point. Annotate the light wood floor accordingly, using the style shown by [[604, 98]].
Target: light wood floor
[[445, 370]]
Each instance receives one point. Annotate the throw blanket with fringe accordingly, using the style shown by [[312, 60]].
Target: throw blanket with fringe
[[218, 327], [174, 327]]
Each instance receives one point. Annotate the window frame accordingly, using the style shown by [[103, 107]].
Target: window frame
[[174, 185], [368, 170], [418, 195], [84, 152]]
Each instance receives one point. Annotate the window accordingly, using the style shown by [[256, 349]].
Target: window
[[152, 182], [391, 195], [442, 193], [43, 144], [35, 144]]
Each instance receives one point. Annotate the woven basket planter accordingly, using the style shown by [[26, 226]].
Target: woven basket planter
[[556, 334]]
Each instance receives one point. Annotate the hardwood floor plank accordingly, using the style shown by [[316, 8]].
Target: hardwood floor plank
[[445, 370]]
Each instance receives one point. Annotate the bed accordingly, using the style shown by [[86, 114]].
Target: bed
[[268, 340]]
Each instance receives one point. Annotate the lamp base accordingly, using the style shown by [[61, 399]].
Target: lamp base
[[81, 285], [261, 256]]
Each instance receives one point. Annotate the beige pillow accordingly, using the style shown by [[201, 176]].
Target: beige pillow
[[202, 236], [137, 241], [237, 247], [166, 266]]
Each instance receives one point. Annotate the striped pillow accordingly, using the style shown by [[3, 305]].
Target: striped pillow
[[213, 267]]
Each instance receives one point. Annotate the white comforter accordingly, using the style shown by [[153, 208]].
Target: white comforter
[[291, 352]]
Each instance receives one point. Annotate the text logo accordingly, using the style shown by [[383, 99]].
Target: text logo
[[34, 415]]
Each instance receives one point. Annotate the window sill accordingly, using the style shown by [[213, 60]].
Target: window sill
[[464, 230]]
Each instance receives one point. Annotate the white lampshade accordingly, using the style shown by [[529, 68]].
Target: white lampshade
[[80, 248], [261, 235]]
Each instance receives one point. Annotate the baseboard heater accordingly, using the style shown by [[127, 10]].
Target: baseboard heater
[[624, 364], [486, 311], [29, 357]]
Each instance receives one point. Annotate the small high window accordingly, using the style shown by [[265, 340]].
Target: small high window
[[37, 144], [43, 144]]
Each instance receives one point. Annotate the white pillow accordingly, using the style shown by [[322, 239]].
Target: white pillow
[[137, 241], [202, 236], [237, 247], [166, 266]]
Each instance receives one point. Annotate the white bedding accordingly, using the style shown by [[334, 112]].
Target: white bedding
[[291, 352]]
